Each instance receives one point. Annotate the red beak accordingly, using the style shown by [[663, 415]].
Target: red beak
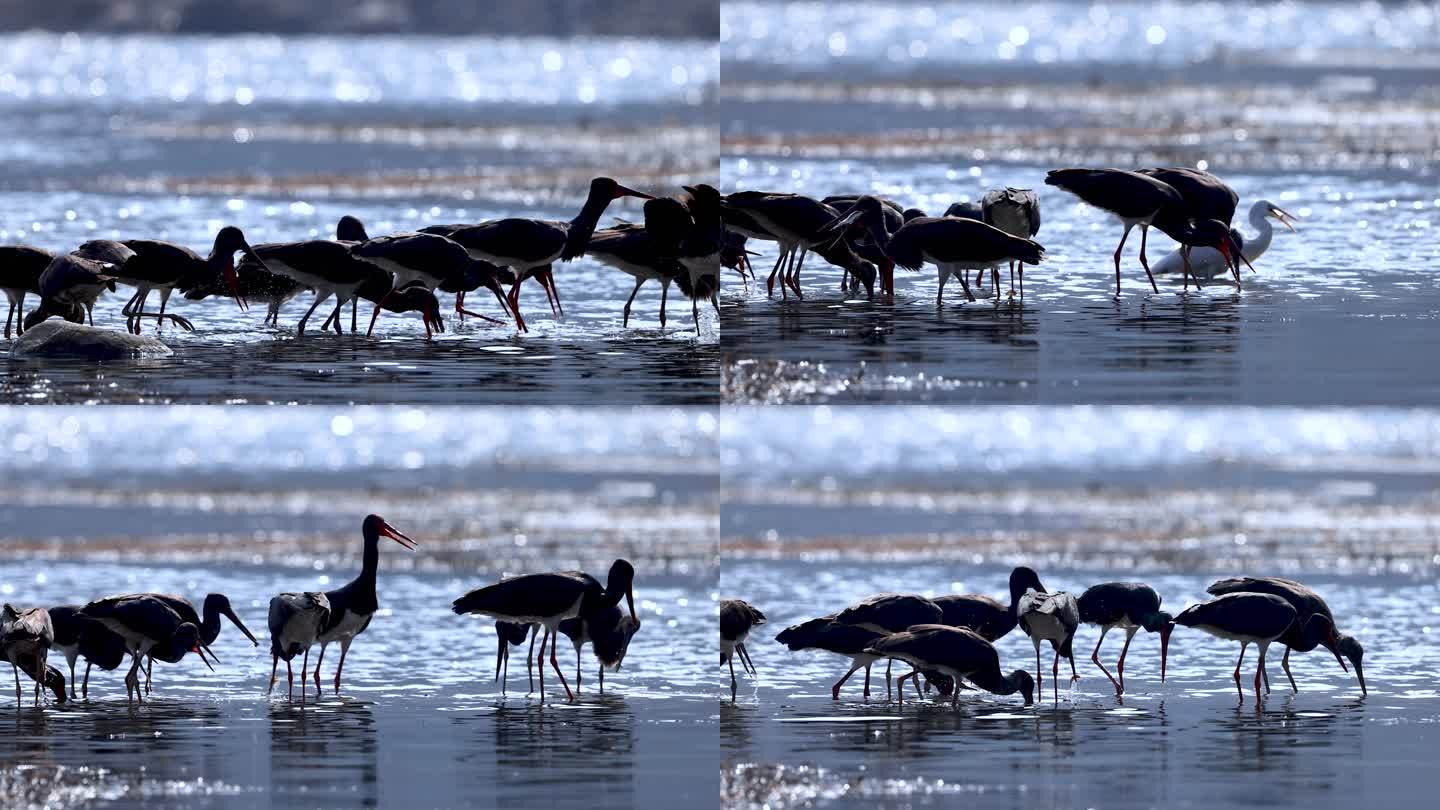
[[1165, 647], [621, 191], [397, 535]]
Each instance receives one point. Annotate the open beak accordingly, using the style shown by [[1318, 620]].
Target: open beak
[[1240, 255], [630, 601], [842, 222], [397, 535], [1283, 217], [200, 650], [1165, 647], [230, 614], [621, 191]]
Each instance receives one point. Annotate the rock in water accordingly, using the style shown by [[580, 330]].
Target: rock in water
[[61, 339]]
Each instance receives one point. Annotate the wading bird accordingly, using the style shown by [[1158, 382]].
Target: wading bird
[[547, 600], [146, 624], [952, 244], [1308, 632], [166, 266], [353, 606], [834, 637], [1249, 618], [890, 613], [1015, 211], [295, 622], [608, 631], [1128, 606], [956, 653], [529, 247], [76, 636], [20, 269], [737, 619], [26, 635], [1051, 617], [73, 282]]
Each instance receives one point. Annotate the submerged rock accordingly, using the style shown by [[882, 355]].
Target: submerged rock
[[75, 341]]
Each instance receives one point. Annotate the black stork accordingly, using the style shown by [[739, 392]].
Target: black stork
[[1207, 262], [423, 259], [859, 241], [1128, 606], [957, 653], [26, 635], [1308, 632], [353, 605], [529, 247], [547, 600], [256, 283], [992, 619], [608, 631], [646, 252], [797, 222], [512, 634], [890, 613], [737, 619], [295, 621], [214, 606], [146, 624], [166, 266], [1205, 198], [20, 269], [1051, 616], [323, 265], [952, 244], [1132, 197], [1249, 618], [700, 252], [73, 282], [831, 636], [77, 636]]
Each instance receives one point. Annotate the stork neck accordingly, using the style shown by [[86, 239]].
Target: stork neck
[[1264, 232], [590, 214], [210, 628], [995, 683]]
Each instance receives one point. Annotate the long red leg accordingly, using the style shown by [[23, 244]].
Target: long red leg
[[1120, 668], [555, 664], [1118, 249], [1238, 661], [1144, 231], [1095, 657]]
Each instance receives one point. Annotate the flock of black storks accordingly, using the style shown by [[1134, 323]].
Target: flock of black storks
[[147, 627], [679, 243], [868, 236], [950, 639]]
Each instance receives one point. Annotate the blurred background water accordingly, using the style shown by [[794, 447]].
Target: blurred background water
[[94, 506], [828, 505], [173, 135], [1323, 108]]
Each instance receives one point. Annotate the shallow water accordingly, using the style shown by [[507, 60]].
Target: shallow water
[[1321, 108], [1188, 742], [418, 707], [93, 507], [828, 505], [1361, 273], [282, 136]]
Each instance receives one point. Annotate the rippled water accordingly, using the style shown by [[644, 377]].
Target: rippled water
[[1361, 273], [828, 505], [173, 137], [419, 706], [1188, 742], [93, 507]]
